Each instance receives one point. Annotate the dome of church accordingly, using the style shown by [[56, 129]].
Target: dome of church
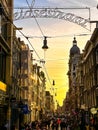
[[75, 49]]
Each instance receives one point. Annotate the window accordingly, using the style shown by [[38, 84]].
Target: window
[[2, 64], [4, 27], [97, 76], [97, 56], [74, 67], [0, 24]]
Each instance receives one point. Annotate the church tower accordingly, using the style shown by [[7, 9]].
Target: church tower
[[73, 62]]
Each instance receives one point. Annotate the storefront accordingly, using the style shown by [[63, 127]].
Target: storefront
[[3, 107]]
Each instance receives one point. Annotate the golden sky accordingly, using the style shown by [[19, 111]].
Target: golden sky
[[56, 62], [60, 35], [57, 55]]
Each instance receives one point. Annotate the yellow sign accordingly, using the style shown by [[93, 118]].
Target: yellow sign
[[2, 86]]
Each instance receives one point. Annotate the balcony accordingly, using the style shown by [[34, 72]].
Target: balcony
[[4, 44], [24, 87], [23, 76], [24, 100]]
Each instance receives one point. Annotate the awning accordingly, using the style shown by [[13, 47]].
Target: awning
[[3, 86]]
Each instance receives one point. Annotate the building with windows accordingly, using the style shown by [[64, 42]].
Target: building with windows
[[38, 93], [6, 39], [22, 83], [83, 80], [90, 72]]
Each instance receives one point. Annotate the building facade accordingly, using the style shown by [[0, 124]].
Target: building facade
[[82, 96], [90, 70], [6, 39]]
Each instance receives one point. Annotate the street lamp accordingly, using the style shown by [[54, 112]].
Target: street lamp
[[45, 47], [53, 82]]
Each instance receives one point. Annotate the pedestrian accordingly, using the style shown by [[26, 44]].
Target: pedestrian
[[54, 124], [6, 126], [13, 127], [58, 123], [33, 125], [96, 123], [92, 122], [3, 127], [63, 124]]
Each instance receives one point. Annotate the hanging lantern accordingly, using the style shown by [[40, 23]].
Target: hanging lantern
[[53, 82], [45, 47]]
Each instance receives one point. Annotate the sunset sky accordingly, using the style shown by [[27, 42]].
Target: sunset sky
[[60, 35]]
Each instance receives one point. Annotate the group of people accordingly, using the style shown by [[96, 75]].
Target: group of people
[[56, 123], [48, 124], [36, 125], [72, 122]]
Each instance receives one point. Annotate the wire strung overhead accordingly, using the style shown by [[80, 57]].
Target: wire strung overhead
[[58, 36], [27, 37], [11, 22], [30, 6], [44, 40], [35, 19], [38, 57]]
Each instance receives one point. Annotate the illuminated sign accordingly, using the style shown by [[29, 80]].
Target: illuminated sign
[[3, 86]]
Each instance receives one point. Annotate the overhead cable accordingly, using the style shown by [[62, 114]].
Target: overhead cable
[[31, 46], [35, 19]]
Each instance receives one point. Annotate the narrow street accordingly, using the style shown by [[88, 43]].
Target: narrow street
[[48, 65]]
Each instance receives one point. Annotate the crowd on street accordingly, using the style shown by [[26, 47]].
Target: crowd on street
[[62, 123], [58, 122]]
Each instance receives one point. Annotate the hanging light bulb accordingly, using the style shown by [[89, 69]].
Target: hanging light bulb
[[45, 47]]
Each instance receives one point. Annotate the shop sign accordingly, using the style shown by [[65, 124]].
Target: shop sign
[[3, 86]]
